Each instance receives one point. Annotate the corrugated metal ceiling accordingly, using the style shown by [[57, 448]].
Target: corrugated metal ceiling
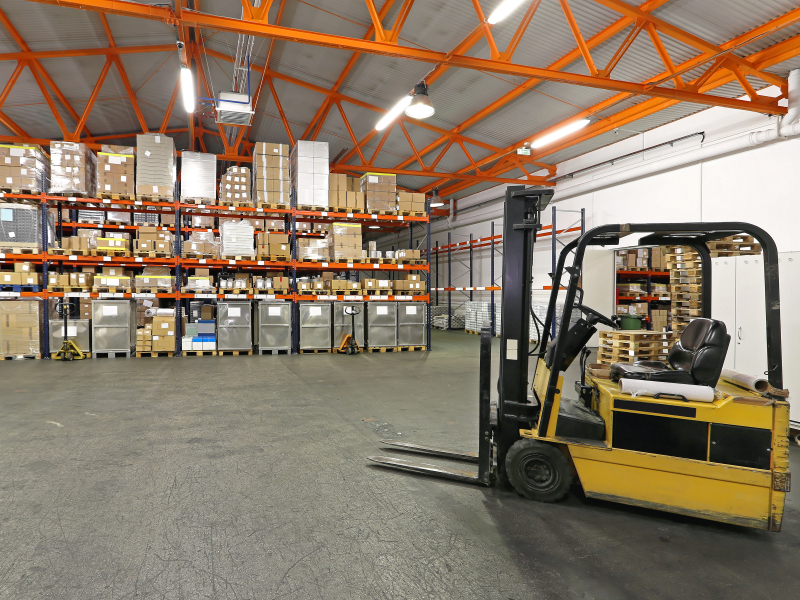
[[377, 80]]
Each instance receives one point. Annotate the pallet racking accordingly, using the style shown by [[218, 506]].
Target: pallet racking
[[50, 261]]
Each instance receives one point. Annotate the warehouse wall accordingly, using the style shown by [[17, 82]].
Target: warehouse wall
[[759, 185]]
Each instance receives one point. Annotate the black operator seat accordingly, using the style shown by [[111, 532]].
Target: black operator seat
[[696, 359]]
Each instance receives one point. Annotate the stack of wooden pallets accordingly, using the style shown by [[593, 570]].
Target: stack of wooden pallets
[[686, 286], [632, 346]]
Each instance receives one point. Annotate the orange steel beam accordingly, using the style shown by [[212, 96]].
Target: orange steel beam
[[92, 99], [5, 120], [380, 144], [561, 63], [199, 19], [365, 168], [762, 60], [11, 81], [52, 105], [413, 147], [523, 25], [280, 111], [399, 21], [749, 90], [73, 53], [487, 30], [447, 147], [663, 54], [350, 132], [685, 37], [377, 23], [325, 106], [623, 48], [170, 106], [576, 33]]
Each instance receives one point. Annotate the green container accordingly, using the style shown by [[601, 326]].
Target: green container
[[630, 322]]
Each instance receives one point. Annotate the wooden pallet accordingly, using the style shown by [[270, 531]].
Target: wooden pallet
[[152, 254], [111, 354], [234, 353], [316, 292], [237, 291], [316, 351], [117, 196], [273, 258], [68, 289], [381, 212], [236, 203], [410, 261], [187, 290], [383, 349], [20, 356], [156, 198], [273, 206], [116, 253], [412, 348], [21, 288], [634, 344], [201, 201], [199, 352], [312, 260], [198, 255], [263, 352], [366, 292], [68, 252], [19, 250], [232, 257], [271, 292], [411, 213], [687, 288], [99, 289], [642, 353], [686, 265], [635, 336], [163, 354], [124, 223], [21, 192], [312, 208], [70, 194], [153, 290]]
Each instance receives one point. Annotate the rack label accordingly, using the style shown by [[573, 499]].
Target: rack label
[[144, 295], [324, 264], [107, 258], [349, 215], [106, 200], [324, 214], [399, 217], [73, 257], [231, 262], [376, 266], [234, 296], [9, 294], [232, 208], [137, 202], [205, 295], [260, 263], [327, 297], [401, 266], [349, 265], [138, 259], [375, 217], [202, 261], [2, 255]]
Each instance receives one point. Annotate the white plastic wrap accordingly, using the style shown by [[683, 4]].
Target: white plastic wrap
[[20, 327], [73, 169], [238, 238], [199, 176], [638, 387]]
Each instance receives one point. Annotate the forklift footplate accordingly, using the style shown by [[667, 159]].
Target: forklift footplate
[[419, 448], [425, 469]]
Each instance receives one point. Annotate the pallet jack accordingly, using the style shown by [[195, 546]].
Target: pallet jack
[[69, 350], [725, 460], [349, 344]]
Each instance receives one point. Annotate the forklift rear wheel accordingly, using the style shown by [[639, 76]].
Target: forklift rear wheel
[[538, 471], [68, 356]]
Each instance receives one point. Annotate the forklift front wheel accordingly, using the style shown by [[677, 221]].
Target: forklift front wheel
[[538, 471]]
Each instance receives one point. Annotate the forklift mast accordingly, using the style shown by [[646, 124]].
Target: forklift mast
[[521, 223]]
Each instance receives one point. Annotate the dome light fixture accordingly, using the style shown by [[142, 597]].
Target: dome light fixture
[[436, 201], [421, 106]]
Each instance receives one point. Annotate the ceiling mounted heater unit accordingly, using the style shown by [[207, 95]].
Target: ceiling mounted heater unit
[[234, 109]]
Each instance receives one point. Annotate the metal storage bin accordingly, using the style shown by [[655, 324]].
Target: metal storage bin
[[315, 325], [274, 326], [411, 323], [234, 326], [113, 326], [77, 331], [381, 324], [342, 323]]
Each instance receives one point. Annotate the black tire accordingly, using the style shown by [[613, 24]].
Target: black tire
[[68, 356], [538, 471]]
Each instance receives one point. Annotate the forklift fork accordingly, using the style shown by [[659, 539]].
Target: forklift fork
[[484, 457]]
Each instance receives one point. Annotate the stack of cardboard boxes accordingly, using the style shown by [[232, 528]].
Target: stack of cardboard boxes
[[156, 279], [310, 172], [23, 167], [116, 172], [20, 327], [271, 178], [409, 285], [381, 192], [272, 280], [144, 338], [234, 187], [344, 242], [376, 287], [312, 249], [73, 169], [201, 244], [273, 244], [234, 281], [201, 335], [153, 239], [407, 255], [81, 244], [114, 243], [410, 202], [83, 279], [163, 334], [344, 194], [342, 286], [23, 274], [155, 172], [237, 238], [112, 277]]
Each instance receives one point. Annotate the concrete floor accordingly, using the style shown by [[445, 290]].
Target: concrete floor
[[245, 478]]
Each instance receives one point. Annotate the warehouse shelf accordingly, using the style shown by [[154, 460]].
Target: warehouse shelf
[[71, 225], [359, 298], [331, 266], [489, 288], [14, 258], [221, 262], [646, 298], [644, 274], [123, 261]]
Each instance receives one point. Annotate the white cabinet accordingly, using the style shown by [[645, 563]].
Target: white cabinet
[[737, 298]]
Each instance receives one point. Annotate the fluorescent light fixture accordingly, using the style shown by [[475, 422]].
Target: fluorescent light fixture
[[501, 12], [560, 133], [187, 89], [421, 106], [393, 113], [374, 226]]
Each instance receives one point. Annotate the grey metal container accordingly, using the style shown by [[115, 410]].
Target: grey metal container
[[77, 330], [274, 325], [315, 325], [342, 322], [234, 325], [381, 324], [113, 325], [411, 321]]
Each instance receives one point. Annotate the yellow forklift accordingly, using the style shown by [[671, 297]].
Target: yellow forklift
[[724, 458]]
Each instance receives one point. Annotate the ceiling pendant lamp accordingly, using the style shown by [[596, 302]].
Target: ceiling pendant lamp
[[436, 201], [421, 106]]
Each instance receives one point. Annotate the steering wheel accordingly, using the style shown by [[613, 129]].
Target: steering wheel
[[598, 317]]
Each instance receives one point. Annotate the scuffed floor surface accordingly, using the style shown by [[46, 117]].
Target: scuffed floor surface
[[245, 478]]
